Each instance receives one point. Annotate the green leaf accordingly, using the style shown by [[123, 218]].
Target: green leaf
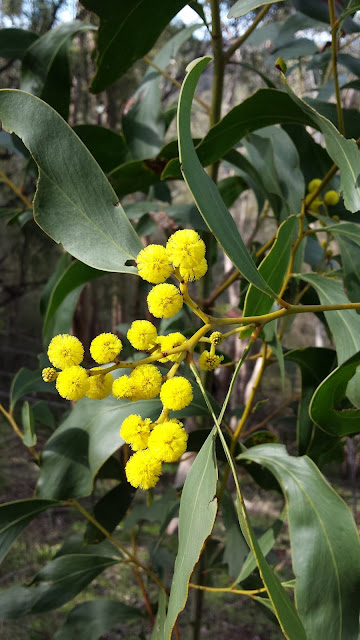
[[109, 511], [137, 175], [15, 516], [108, 147], [120, 41], [344, 153], [326, 407], [241, 120], [28, 423], [236, 547], [350, 261], [314, 363], [273, 269], [24, 382], [160, 617], [91, 620], [76, 275], [274, 155], [242, 7], [324, 543], [56, 583], [15, 42], [205, 192], [266, 543], [81, 445], [344, 325], [198, 509], [76, 207], [45, 69], [143, 120]]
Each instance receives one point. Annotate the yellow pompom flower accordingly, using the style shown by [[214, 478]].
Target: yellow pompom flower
[[49, 374], [314, 184], [153, 264], [170, 342], [207, 362], [164, 300], [167, 441], [135, 431], [125, 388], [143, 469], [65, 351], [105, 347], [100, 385], [216, 337], [147, 379], [73, 383], [176, 393], [142, 335], [194, 273], [185, 248], [331, 198]]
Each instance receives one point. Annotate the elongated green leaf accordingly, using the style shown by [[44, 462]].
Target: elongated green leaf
[[347, 230], [28, 422], [266, 543], [56, 583], [273, 269], [198, 508], [143, 121], [314, 363], [108, 147], [15, 42], [120, 41], [74, 203], [91, 620], [205, 192], [236, 547], [242, 7], [344, 325], [25, 382], [109, 511], [76, 274], [326, 407], [15, 516], [77, 450], [160, 617], [343, 152], [324, 543], [246, 117], [350, 261], [45, 69]]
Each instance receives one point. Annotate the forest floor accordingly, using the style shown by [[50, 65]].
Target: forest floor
[[224, 615]]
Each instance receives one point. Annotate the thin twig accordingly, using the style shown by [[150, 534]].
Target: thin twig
[[15, 189], [240, 41]]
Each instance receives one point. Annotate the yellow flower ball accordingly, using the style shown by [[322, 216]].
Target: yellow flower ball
[[170, 342], [125, 388], [72, 383], [314, 184], [153, 264], [207, 362], [65, 351], [331, 198], [167, 441], [194, 273], [147, 379], [143, 470], [164, 300], [49, 374], [216, 338], [105, 347], [185, 248], [100, 386], [176, 393], [142, 335], [135, 431]]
